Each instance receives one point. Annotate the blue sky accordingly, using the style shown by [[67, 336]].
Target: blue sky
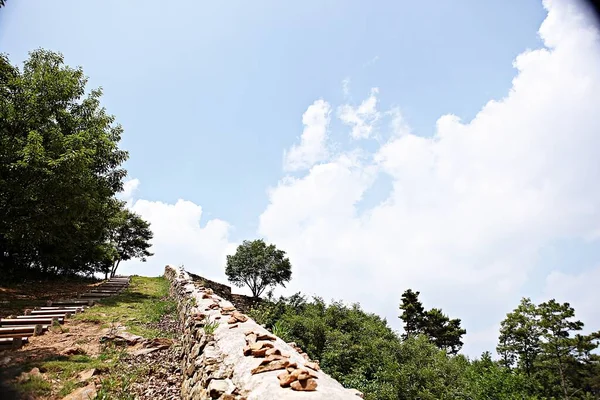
[[209, 93], [442, 191]]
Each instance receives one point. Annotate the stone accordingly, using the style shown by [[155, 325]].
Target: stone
[[232, 320], [285, 379], [206, 296], [217, 387], [86, 375], [260, 345], [270, 358], [251, 338], [84, 393], [265, 336], [308, 385], [71, 351], [273, 351], [233, 326], [239, 316], [357, 393], [213, 306], [272, 366], [228, 309], [313, 365]]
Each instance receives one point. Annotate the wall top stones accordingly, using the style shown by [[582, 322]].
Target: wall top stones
[[227, 355]]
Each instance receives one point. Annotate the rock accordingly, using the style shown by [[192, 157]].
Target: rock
[[142, 352], [218, 387], [272, 366], [206, 296], [239, 316], [232, 320], [272, 357], [228, 309], [5, 360], [233, 326], [313, 365], [273, 351], [71, 351], [265, 336], [285, 379], [251, 338], [85, 375], [308, 385], [357, 393], [84, 393]]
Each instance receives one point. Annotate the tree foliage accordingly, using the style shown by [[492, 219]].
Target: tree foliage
[[442, 331], [60, 168], [259, 266]]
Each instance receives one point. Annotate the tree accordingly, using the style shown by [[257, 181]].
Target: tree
[[59, 168], [557, 345], [413, 314], [258, 266], [443, 332], [519, 340], [130, 237]]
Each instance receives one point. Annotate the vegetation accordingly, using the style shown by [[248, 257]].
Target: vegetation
[[258, 266], [60, 169], [139, 308], [361, 351], [442, 331]]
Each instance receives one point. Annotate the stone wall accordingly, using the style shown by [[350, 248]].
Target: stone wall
[[220, 289], [226, 355]]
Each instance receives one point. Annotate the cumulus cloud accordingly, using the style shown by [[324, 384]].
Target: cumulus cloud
[[129, 188], [361, 118], [312, 147], [180, 239], [469, 208]]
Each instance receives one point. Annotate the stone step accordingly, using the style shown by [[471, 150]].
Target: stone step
[[12, 343], [5, 322], [55, 311], [57, 315], [79, 308], [71, 302], [86, 295], [22, 331]]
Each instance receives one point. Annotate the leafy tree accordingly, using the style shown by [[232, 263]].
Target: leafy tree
[[259, 266], [558, 347], [59, 168], [130, 236], [445, 333], [413, 314], [519, 341]]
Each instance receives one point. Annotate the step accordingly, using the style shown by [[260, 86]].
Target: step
[[55, 311], [13, 343], [57, 315], [15, 331], [87, 295], [5, 322], [71, 302], [76, 308]]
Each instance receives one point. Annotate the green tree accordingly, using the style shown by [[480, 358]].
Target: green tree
[[444, 332], [519, 341], [258, 266], [130, 237], [413, 314], [558, 347], [59, 168]]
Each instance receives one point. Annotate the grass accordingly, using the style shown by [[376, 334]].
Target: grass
[[140, 306], [143, 303]]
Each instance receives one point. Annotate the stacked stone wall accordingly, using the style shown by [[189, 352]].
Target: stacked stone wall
[[226, 355]]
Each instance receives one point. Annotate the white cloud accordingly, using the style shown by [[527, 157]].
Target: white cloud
[[346, 87], [179, 239], [312, 147], [470, 207], [362, 118], [129, 188]]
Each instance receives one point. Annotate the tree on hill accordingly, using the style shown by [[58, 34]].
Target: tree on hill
[[130, 236], [442, 331], [413, 314], [60, 168], [258, 266]]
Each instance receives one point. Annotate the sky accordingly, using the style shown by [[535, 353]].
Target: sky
[[450, 147]]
